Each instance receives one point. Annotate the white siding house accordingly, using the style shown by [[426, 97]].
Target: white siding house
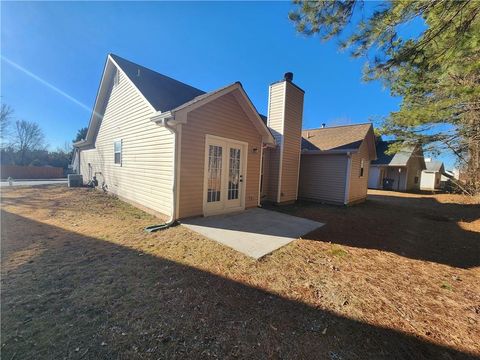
[[175, 150], [144, 173], [432, 175]]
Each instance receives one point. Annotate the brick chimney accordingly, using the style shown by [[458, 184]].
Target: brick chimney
[[285, 113]]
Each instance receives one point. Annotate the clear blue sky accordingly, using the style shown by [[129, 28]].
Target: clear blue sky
[[207, 45]]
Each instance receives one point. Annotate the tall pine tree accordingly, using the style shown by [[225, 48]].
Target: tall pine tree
[[437, 73]]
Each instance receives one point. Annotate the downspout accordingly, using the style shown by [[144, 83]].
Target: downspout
[[261, 183], [173, 218], [174, 131]]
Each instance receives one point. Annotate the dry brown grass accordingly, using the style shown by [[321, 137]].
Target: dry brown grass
[[396, 277]]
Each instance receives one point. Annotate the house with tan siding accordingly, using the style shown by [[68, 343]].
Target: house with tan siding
[[400, 171], [175, 150], [335, 162]]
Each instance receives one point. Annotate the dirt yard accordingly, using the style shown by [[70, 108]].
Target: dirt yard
[[395, 278]]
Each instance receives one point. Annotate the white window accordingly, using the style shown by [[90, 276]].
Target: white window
[[362, 167], [117, 148], [116, 78]]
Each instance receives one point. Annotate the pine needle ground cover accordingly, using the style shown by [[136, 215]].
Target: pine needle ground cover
[[396, 277]]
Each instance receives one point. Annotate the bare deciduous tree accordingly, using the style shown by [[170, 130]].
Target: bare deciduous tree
[[5, 118], [28, 137]]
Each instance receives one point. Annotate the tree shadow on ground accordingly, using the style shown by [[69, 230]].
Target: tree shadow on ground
[[416, 228], [80, 297]]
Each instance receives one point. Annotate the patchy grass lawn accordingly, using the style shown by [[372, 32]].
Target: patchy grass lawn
[[396, 277]]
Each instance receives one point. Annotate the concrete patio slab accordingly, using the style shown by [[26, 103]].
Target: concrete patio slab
[[254, 232]]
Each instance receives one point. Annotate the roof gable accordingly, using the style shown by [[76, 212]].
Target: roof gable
[[179, 113], [164, 96], [162, 92], [434, 165], [400, 158], [339, 138]]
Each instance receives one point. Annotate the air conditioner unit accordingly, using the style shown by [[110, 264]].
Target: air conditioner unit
[[75, 180]]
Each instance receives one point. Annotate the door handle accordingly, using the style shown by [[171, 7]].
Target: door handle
[[241, 178]]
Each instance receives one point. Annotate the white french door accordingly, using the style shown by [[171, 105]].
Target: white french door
[[224, 183]]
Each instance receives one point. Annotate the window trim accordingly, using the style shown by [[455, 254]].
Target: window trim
[[362, 168], [115, 152]]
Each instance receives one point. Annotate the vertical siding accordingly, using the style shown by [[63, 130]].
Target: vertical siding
[[222, 117], [399, 178], [374, 177], [276, 106], [428, 180], [145, 176], [322, 177], [285, 114], [359, 184]]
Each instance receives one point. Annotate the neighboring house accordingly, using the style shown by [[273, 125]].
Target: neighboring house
[[401, 171], [335, 163], [170, 148], [432, 175]]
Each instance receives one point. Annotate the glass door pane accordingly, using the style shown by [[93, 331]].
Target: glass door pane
[[234, 174], [214, 176]]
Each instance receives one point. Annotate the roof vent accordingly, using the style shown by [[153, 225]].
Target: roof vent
[[288, 76], [138, 72]]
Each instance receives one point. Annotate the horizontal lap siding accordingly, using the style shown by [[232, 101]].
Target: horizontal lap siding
[[145, 176], [266, 172], [291, 143], [275, 122], [222, 117], [359, 184], [322, 177]]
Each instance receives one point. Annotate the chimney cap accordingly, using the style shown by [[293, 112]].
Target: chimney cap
[[288, 76]]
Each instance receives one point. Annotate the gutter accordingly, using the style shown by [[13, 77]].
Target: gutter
[[80, 143]]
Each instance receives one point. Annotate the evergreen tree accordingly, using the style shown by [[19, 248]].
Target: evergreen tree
[[81, 134], [437, 73]]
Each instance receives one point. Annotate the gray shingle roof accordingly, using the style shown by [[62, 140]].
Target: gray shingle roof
[[382, 157], [264, 118], [434, 165], [163, 92], [399, 159], [402, 156]]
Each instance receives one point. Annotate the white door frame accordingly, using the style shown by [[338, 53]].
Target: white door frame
[[211, 140]]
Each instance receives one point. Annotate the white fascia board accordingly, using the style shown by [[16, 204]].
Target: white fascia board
[[95, 113], [159, 117], [172, 117]]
